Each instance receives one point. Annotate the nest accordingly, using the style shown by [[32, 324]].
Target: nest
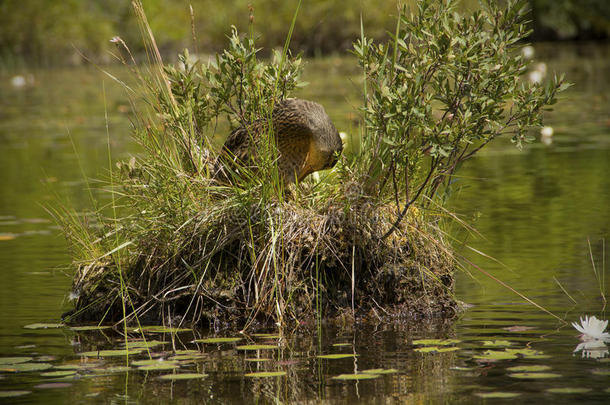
[[280, 262]]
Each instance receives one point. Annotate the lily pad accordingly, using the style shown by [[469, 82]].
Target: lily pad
[[184, 357], [160, 366], [111, 353], [266, 374], [459, 368], [535, 376], [150, 362], [448, 349], [359, 376], [258, 360], [568, 390], [44, 326], [25, 367], [336, 356], [267, 335], [145, 343], [601, 371], [14, 360], [189, 351], [218, 340], [114, 369], [256, 347], [435, 342], [62, 373], [497, 394], [380, 371], [495, 355], [162, 329], [87, 328], [528, 353], [518, 328], [529, 369], [7, 236], [427, 349], [182, 376], [70, 367], [13, 394], [47, 386], [497, 343]]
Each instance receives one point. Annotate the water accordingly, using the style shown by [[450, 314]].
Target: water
[[543, 214]]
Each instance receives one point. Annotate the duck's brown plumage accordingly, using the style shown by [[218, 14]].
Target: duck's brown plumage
[[306, 138]]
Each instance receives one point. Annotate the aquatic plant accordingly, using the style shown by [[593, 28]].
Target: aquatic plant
[[365, 240], [592, 328]]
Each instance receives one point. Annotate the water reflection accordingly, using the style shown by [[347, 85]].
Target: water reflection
[[592, 349]]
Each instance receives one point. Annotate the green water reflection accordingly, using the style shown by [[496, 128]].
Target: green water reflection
[[538, 210]]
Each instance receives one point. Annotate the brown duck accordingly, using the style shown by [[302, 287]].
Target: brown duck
[[306, 139]]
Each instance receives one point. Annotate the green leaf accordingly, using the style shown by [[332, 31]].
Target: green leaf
[[266, 374], [182, 376], [360, 376], [534, 376], [336, 356]]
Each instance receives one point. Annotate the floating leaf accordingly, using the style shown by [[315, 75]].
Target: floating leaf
[[70, 367], [25, 367], [436, 342], [7, 236], [13, 394], [428, 349], [517, 328], [266, 374], [532, 368], [341, 344], [111, 353], [497, 394], [458, 368], [380, 371], [160, 366], [218, 340], [150, 362], [448, 349], [569, 390], [497, 343], [183, 357], [145, 343], [256, 347], [601, 371], [182, 376], [257, 360], [87, 328], [58, 373], [189, 351], [162, 329], [267, 335], [44, 326], [359, 376], [52, 385], [14, 360], [534, 375], [529, 353], [495, 355], [336, 356], [114, 369]]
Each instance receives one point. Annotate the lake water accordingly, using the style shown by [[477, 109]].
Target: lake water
[[543, 214]]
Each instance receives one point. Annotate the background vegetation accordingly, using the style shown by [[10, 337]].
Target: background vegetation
[[49, 32]]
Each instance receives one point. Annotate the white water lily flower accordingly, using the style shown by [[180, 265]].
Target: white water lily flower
[[592, 328]]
